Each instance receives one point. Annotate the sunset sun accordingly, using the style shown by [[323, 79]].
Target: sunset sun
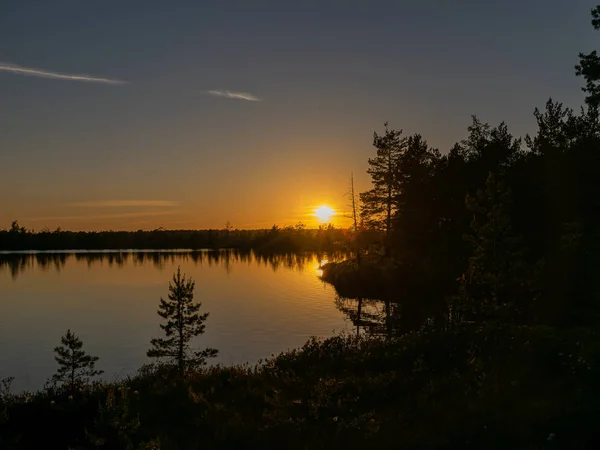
[[324, 214]]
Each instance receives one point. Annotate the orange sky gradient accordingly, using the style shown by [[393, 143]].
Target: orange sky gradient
[[256, 209], [114, 116]]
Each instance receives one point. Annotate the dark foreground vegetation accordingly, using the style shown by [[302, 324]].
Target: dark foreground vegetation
[[486, 262], [475, 386]]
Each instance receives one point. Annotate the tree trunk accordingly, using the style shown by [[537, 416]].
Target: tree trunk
[[388, 219], [388, 320], [180, 350], [356, 244], [358, 316]]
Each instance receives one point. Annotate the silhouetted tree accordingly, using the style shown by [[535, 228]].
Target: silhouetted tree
[[76, 367], [16, 228], [488, 150], [354, 229], [381, 203], [182, 324], [5, 399], [417, 212], [555, 129], [353, 206], [589, 67], [281, 240], [499, 283]]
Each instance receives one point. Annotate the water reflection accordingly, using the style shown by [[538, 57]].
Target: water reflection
[[19, 263], [259, 304], [319, 267], [390, 317], [373, 317]]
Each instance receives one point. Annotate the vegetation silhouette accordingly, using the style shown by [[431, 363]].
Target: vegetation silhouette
[[75, 366], [275, 239], [182, 324], [517, 226], [477, 291], [379, 204]]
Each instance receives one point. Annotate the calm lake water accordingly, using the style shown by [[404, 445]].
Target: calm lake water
[[257, 306]]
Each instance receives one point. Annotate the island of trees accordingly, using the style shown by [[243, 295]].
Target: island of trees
[[486, 261]]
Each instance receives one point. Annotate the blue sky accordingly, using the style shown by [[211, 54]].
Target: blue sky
[[311, 81]]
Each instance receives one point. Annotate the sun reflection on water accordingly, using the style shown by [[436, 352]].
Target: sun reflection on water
[[319, 266]]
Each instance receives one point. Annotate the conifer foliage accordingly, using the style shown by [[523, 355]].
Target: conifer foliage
[[183, 322], [381, 203], [76, 367]]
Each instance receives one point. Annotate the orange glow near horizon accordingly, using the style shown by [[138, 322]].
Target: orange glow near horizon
[[319, 267], [185, 216], [248, 200]]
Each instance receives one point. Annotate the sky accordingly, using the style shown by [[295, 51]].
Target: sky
[[187, 114]]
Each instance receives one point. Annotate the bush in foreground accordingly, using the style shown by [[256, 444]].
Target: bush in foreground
[[471, 387]]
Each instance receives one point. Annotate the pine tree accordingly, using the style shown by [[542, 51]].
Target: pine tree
[[416, 219], [183, 323], [381, 203], [589, 67], [76, 367], [499, 281]]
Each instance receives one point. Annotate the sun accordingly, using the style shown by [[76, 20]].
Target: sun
[[324, 214]]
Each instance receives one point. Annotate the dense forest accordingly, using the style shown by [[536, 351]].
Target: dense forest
[[497, 226], [287, 239], [485, 258], [516, 224]]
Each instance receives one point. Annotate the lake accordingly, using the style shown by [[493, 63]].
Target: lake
[[258, 306]]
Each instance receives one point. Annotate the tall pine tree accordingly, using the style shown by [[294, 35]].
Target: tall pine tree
[[182, 324], [381, 203], [417, 214]]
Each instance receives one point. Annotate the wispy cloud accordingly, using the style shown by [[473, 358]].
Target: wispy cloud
[[13, 68], [105, 216], [124, 203], [235, 95]]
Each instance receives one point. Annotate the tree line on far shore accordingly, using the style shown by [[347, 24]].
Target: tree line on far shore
[[275, 239]]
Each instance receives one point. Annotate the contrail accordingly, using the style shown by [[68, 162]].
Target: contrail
[[13, 68], [235, 95]]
